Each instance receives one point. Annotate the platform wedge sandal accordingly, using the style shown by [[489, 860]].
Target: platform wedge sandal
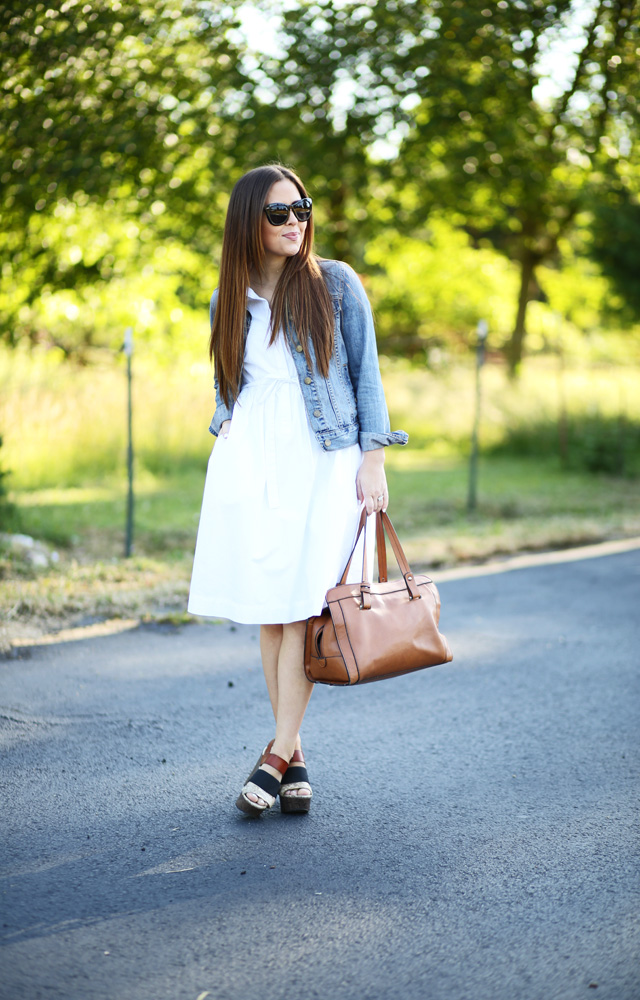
[[295, 777], [264, 785]]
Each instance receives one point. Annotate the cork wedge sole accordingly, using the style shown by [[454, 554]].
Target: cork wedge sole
[[295, 803]]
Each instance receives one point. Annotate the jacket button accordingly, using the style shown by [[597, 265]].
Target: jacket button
[[317, 413], [327, 442], [298, 348], [307, 381]]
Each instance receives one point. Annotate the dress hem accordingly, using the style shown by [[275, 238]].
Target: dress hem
[[242, 617]]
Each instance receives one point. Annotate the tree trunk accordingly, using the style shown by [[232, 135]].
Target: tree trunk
[[515, 346]]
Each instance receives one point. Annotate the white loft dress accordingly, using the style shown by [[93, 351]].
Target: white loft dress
[[279, 513]]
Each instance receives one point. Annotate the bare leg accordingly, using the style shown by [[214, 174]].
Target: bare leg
[[270, 646], [290, 688], [294, 690], [270, 643]]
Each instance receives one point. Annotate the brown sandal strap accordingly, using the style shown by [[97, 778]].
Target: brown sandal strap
[[297, 758], [279, 763]]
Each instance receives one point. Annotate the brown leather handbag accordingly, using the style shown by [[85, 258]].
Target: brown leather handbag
[[371, 631]]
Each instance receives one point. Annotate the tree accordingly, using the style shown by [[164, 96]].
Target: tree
[[111, 104], [295, 108], [615, 246], [516, 169], [125, 126], [454, 85]]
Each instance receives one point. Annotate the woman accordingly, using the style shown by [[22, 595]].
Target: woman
[[301, 425]]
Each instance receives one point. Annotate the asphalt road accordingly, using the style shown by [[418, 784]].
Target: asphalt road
[[473, 833]]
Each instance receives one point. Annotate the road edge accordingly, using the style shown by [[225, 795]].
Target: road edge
[[113, 626]]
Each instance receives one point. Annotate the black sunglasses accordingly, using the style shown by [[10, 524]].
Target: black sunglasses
[[277, 212]]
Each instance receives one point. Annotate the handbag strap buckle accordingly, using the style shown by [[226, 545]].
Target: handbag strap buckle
[[365, 596], [411, 587]]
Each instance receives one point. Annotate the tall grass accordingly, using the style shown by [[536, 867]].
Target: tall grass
[[65, 426], [588, 416]]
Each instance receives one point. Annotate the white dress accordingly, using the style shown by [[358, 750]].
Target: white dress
[[279, 513]]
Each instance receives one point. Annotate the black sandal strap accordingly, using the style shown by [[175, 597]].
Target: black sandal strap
[[295, 772], [266, 781]]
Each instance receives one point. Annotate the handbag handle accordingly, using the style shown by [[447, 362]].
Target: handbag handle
[[383, 524], [362, 524]]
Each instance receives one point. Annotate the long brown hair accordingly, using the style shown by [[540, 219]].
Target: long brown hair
[[300, 296]]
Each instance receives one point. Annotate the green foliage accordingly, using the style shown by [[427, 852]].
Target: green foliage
[[575, 290], [160, 287], [616, 247], [429, 293], [591, 442], [112, 105], [8, 513], [124, 127], [109, 99], [456, 86], [605, 445], [295, 109], [512, 165]]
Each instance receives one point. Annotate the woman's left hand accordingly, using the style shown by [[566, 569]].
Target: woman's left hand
[[371, 481]]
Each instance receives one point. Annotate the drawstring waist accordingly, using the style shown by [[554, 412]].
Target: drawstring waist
[[266, 385]]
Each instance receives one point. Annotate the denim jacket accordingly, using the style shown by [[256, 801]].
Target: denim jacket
[[348, 406]]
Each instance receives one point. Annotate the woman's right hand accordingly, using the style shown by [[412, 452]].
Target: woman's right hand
[[224, 428]]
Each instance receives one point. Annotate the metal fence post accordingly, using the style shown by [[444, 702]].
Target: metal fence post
[[128, 350], [472, 498]]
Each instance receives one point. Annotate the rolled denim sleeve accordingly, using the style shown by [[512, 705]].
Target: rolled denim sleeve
[[222, 411], [364, 370]]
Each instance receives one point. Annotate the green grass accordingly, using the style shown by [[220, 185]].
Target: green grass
[[65, 447], [516, 498], [65, 426], [90, 521], [522, 505]]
